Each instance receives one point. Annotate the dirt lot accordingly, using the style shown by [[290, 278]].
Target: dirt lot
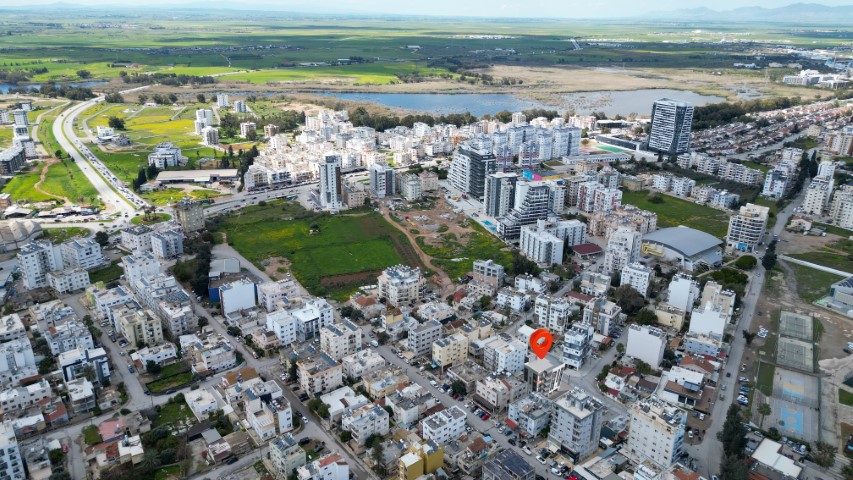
[[797, 243]]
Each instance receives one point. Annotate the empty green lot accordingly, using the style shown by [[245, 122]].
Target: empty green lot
[[674, 211], [329, 254]]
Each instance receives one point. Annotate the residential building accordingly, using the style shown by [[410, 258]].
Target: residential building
[[512, 299], [162, 355], [577, 345], [699, 344], [210, 136], [12, 159], [261, 418], [67, 336], [499, 194], [817, 196], [203, 118], [646, 343], [638, 277], [74, 363], [15, 400], [68, 280], [81, 395], [319, 374], [365, 421], [340, 339], [401, 285], [489, 272], [472, 162], [168, 244], [541, 246], [139, 266], [841, 208], [670, 126], [422, 337], [11, 326], [544, 374], [248, 129], [342, 400], [775, 183], [189, 215], [623, 248], [553, 313], [503, 354], [594, 284], [166, 155], [746, 229], [602, 314], [451, 350], [360, 363], [331, 186], [329, 467], [656, 432], [17, 361], [683, 292], [531, 413], [709, 320], [508, 465], [444, 426], [11, 465], [532, 203], [237, 295], [140, 327], [382, 180], [286, 455], [201, 403], [410, 186], [495, 392], [222, 100], [576, 424]]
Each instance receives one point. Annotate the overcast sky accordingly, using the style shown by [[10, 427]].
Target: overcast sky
[[481, 8]]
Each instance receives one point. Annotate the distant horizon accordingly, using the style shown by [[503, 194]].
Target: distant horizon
[[502, 9]]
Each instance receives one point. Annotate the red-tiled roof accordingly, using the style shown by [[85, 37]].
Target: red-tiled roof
[[587, 249], [459, 295], [365, 301], [330, 459], [579, 296]]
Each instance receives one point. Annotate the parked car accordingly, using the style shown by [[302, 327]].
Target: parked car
[[231, 461]]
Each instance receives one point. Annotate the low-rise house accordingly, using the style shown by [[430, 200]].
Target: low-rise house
[[360, 363], [81, 395]]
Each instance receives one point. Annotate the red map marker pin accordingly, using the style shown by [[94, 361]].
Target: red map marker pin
[[540, 342]]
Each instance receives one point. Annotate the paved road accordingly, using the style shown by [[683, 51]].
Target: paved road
[[710, 451]]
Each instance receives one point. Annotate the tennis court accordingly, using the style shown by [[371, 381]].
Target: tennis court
[[610, 148], [794, 353], [794, 325]]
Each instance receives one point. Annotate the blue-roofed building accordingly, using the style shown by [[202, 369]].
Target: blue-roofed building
[[508, 465], [841, 296]]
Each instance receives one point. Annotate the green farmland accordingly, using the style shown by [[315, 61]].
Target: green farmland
[[346, 251], [674, 211], [374, 73]]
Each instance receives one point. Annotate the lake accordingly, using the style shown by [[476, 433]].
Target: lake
[[479, 104], [5, 87]]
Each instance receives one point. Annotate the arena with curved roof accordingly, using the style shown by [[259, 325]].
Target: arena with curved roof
[[684, 246]]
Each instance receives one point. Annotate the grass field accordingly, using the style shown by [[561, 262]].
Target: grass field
[[349, 250], [155, 218], [674, 211], [475, 245], [172, 195], [372, 73], [171, 412], [147, 127], [6, 134], [107, 274], [765, 378], [21, 186], [163, 384], [91, 435], [845, 397], [812, 284], [59, 235], [838, 255], [165, 473]]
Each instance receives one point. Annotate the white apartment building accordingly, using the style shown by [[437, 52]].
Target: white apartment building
[[576, 424], [329, 467], [159, 354], [202, 403], [165, 155], [340, 339], [638, 276], [16, 399], [17, 361], [210, 136], [222, 100], [366, 421], [138, 266], [540, 246], [496, 392], [505, 355], [544, 375], [444, 426], [402, 285], [623, 248], [286, 455], [746, 229], [670, 126], [382, 180], [450, 350], [709, 320], [68, 336], [140, 327], [247, 128], [167, 244], [499, 193], [662, 182], [410, 187], [775, 183], [841, 209], [683, 292], [422, 337], [682, 186], [656, 432], [489, 272], [237, 295], [36, 260], [11, 327], [646, 343], [602, 314], [577, 345], [68, 280], [137, 238], [331, 185], [319, 374], [553, 313], [10, 454], [606, 200], [203, 118], [360, 363]]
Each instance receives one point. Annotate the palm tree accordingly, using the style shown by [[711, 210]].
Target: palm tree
[[764, 410], [150, 462], [88, 372]]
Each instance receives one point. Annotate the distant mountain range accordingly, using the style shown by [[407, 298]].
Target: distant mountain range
[[800, 13], [796, 13]]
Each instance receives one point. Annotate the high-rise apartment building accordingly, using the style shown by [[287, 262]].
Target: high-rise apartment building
[[576, 425], [331, 187], [670, 129], [746, 229], [499, 194], [656, 432], [472, 163], [382, 180], [623, 248]]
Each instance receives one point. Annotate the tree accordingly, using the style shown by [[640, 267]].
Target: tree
[[252, 135], [847, 471], [56, 456], [746, 262], [113, 98], [84, 74], [620, 348], [732, 467], [58, 154], [733, 434], [201, 98], [102, 238], [376, 453], [748, 336], [88, 372], [346, 436], [824, 454], [630, 300], [116, 122], [152, 367], [646, 317], [764, 410], [643, 368], [485, 300], [151, 461], [458, 386]]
